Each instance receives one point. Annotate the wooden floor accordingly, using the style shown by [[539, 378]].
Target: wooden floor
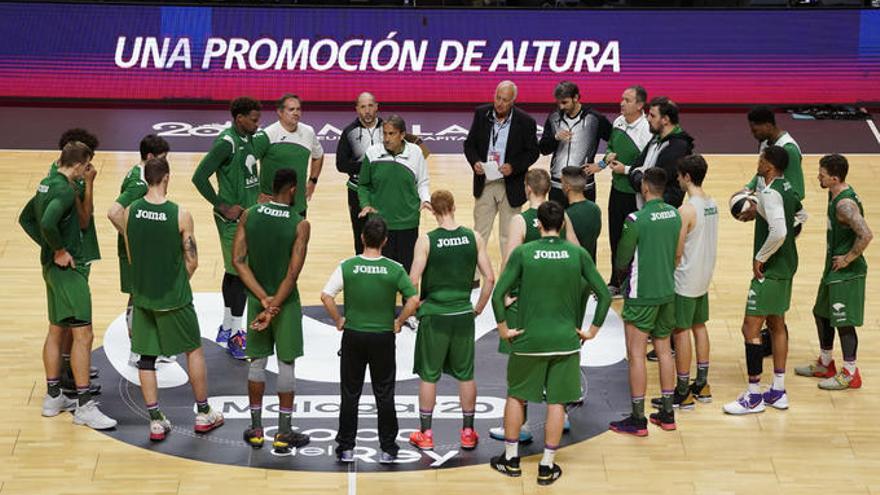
[[826, 443]]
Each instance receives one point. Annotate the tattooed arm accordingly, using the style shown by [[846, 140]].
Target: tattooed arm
[[849, 214], [190, 252]]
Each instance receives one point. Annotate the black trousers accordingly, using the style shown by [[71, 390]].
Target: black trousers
[[360, 349], [400, 246], [357, 224], [620, 204], [560, 197]]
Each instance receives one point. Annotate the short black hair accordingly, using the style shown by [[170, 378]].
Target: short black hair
[[287, 96], [655, 178], [836, 165], [375, 232], [777, 156], [79, 134], [395, 121], [154, 144], [551, 215], [155, 169], [762, 115], [695, 166], [284, 177], [243, 105], [666, 108], [566, 89], [641, 94]]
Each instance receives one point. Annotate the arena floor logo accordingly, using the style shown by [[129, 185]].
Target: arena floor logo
[[317, 399]]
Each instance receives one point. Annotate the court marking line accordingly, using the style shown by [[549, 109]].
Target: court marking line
[[352, 478], [874, 131]]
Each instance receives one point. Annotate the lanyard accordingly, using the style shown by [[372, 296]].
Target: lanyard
[[494, 134]]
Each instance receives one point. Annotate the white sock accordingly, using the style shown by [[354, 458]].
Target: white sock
[[227, 318], [511, 449], [549, 455], [778, 381], [825, 357], [236, 324], [850, 366], [755, 388]]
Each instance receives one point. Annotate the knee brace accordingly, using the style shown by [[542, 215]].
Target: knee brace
[[257, 370], [147, 363], [286, 378]]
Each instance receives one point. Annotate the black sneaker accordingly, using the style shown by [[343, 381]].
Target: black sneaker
[[702, 392], [631, 426], [285, 442], [683, 402], [503, 465], [254, 437], [665, 420], [547, 474], [652, 355]]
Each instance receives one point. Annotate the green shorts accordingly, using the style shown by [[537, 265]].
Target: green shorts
[[551, 379], [655, 320], [226, 231], [164, 333], [512, 315], [690, 311], [768, 297], [68, 296], [124, 275], [283, 337], [445, 344], [842, 302]]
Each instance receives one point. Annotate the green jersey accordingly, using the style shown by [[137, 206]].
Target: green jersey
[[232, 159], [586, 218], [647, 246], [549, 273], [794, 172], [394, 185], [90, 250], [533, 228], [778, 207], [271, 232], [840, 239], [627, 141], [276, 148], [449, 272], [134, 187], [371, 286], [159, 280], [50, 218]]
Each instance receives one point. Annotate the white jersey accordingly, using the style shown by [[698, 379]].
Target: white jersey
[[694, 272]]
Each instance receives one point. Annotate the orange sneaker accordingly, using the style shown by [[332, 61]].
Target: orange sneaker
[[423, 440], [816, 369], [842, 381], [469, 438]]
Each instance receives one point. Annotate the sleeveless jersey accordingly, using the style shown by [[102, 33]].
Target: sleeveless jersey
[[271, 232], [840, 240], [449, 272], [694, 272]]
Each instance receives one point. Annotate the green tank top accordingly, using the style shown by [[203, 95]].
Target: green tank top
[[533, 232], [449, 272], [840, 239], [271, 232], [158, 271]]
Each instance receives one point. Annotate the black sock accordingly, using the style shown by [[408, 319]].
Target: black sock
[[234, 296], [467, 420], [425, 417], [53, 387], [83, 396]]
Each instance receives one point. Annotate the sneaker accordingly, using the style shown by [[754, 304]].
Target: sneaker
[[424, 440], [133, 359], [548, 474], [469, 439], [665, 420], [525, 433], [89, 415], [566, 425], [53, 406], [503, 465], [93, 372], [817, 369], [652, 355], [615, 292], [841, 381], [346, 456], [285, 442], [684, 402], [702, 393], [166, 359], [254, 437], [631, 426], [223, 335], [387, 458], [746, 403], [776, 398], [208, 421], [159, 428], [412, 323], [236, 346]]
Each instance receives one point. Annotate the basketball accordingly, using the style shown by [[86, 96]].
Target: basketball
[[742, 202]]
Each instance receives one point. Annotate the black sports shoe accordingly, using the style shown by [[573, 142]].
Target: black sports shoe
[[503, 465], [652, 355], [254, 437], [683, 402], [701, 392], [631, 425], [663, 419], [547, 474], [284, 442]]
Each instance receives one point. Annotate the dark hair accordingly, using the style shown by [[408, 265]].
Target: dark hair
[[777, 156], [574, 176], [551, 215], [666, 108], [375, 231], [284, 177], [287, 96], [154, 144], [655, 178], [243, 105], [155, 169], [566, 89], [641, 94], [762, 115], [78, 134], [395, 121], [74, 152], [836, 165], [695, 166]]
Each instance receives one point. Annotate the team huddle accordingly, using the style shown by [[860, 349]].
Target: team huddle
[[663, 232]]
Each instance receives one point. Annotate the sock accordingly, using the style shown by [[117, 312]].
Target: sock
[[284, 419], [155, 413], [825, 356], [754, 385], [467, 420], [850, 366], [511, 448], [638, 407], [425, 419], [549, 455], [702, 373], [202, 406], [83, 396], [236, 323], [256, 415], [53, 387], [227, 318], [778, 379], [666, 398], [681, 383]]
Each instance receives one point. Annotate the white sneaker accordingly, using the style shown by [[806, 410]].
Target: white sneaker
[[412, 322], [525, 433], [159, 428], [91, 416], [206, 422], [746, 403], [133, 359], [166, 359], [52, 406]]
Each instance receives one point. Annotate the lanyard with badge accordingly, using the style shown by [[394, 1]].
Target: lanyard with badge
[[493, 158]]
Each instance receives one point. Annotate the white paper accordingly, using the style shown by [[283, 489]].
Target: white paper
[[491, 169]]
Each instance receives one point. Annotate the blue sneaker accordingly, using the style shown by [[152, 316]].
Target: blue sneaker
[[776, 398], [223, 335], [386, 458], [525, 433], [346, 456], [236, 346]]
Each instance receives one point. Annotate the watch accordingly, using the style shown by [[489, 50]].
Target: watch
[[313, 180]]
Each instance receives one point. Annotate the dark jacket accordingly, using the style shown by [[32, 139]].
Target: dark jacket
[[673, 147], [521, 151], [353, 142]]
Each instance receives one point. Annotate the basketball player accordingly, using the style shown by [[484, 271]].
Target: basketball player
[[775, 263], [647, 250], [50, 219], [544, 365], [762, 124], [584, 215], [371, 283], [232, 159], [444, 263], [840, 302], [269, 252]]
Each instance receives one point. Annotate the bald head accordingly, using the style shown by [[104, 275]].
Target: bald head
[[367, 109], [505, 96]]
